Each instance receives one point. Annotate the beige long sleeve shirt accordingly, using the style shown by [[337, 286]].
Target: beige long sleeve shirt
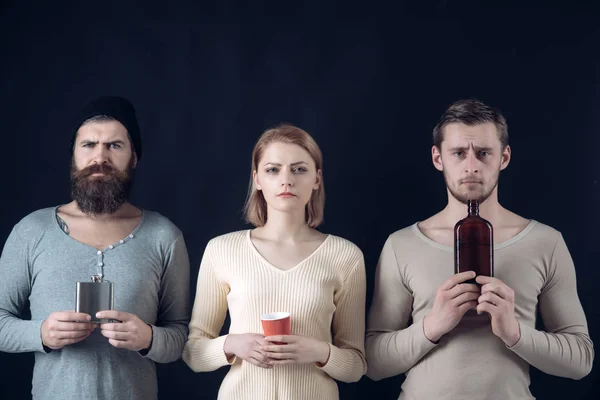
[[470, 362]]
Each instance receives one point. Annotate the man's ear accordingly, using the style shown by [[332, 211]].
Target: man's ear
[[436, 158]]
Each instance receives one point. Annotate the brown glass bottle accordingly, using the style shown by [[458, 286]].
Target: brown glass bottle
[[474, 243]]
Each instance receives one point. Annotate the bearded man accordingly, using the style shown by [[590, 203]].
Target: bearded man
[[99, 235]]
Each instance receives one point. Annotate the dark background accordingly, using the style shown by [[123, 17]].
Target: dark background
[[367, 81]]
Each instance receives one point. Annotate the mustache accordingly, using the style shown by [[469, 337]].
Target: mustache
[[96, 169]]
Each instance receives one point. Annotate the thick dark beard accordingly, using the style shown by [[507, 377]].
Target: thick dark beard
[[102, 194], [464, 199]]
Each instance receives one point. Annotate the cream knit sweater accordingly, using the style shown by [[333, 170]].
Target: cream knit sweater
[[325, 294]]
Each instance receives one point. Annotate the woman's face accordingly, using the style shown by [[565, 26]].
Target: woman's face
[[286, 174]]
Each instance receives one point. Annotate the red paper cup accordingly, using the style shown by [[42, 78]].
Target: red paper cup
[[277, 323]]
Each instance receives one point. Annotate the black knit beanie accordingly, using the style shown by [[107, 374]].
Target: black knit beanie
[[118, 108]]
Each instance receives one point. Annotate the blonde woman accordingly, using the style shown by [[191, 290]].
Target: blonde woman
[[282, 265]]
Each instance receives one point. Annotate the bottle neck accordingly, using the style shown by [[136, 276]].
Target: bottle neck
[[473, 206]]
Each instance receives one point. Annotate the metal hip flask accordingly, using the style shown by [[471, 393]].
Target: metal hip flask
[[94, 296]]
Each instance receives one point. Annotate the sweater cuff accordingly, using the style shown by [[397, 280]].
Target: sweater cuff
[[233, 359], [33, 337], [146, 352], [335, 363], [418, 333], [343, 364], [210, 357], [526, 333]]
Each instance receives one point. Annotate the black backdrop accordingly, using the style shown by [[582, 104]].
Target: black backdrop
[[369, 83]]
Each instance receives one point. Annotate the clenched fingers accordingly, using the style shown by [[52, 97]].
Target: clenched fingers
[[456, 279], [259, 360], [68, 316], [500, 290], [463, 288], [115, 326], [116, 335], [465, 297], [70, 326], [491, 298]]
